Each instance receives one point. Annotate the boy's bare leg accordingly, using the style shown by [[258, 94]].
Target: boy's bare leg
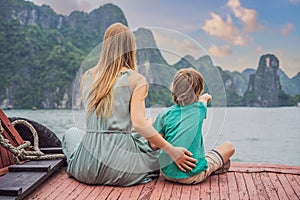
[[226, 150]]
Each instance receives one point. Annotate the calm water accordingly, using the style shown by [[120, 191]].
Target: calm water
[[268, 135]]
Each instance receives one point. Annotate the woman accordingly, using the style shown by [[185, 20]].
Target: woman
[[113, 94]]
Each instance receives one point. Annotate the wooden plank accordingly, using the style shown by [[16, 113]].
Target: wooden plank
[[242, 189], [194, 192], [278, 186], [10, 191], [297, 178], [136, 192], [236, 183], [271, 191], [1, 162], [186, 192], [166, 193], [69, 190], [89, 189], [296, 188], [294, 184], [261, 167], [30, 180], [158, 188], [7, 198], [19, 179], [176, 191], [11, 158], [115, 193], [77, 191], [52, 163], [260, 188], [10, 136], [95, 192], [126, 192], [147, 190], [60, 190], [214, 184], [251, 189], [232, 186], [105, 192], [224, 190], [49, 186], [5, 160], [205, 190], [3, 171], [26, 181], [287, 187], [29, 168], [2, 157], [11, 133], [51, 150]]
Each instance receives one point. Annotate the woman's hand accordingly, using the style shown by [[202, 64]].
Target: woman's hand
[[181, 157], [150, 120]]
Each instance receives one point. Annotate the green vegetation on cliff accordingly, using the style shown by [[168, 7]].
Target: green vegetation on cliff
[[41, 52]]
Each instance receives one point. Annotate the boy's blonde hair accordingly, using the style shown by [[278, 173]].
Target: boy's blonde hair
[[188, 84]]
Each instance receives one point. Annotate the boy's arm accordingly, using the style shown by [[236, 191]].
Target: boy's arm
[[205, 98]]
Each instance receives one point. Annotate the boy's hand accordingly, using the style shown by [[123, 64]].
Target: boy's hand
[[205, 98]]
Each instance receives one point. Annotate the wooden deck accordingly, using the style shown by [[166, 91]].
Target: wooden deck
[[243, 181]]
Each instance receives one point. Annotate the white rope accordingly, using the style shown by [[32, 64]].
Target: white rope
[[20, 154]]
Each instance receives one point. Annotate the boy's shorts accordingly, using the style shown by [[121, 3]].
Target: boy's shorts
[[214, 161]]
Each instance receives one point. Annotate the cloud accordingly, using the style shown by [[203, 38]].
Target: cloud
[[224, 30], [174, 45], [65, 7], [258, 49], [287, 29], [247, 16], [294, 1], [220, 52]]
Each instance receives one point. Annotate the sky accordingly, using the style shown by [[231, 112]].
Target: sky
[[234, 32]]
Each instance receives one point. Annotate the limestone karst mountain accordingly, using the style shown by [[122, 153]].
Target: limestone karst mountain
[[264, 88], [41, 52]]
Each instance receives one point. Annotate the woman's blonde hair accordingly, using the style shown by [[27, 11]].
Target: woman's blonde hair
[[118, 50], [188, 84]]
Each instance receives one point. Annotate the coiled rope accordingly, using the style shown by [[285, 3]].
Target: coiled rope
[[19, 153]]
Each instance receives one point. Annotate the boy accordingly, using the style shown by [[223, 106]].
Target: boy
[[181, 125]]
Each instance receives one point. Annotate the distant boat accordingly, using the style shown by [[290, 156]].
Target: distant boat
[[75, 108], [33, 108], [7, 107]]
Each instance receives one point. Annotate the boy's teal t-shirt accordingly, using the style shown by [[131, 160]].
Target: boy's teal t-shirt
[[182, 127]]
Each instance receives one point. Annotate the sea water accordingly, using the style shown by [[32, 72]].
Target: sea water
[[264, 135]]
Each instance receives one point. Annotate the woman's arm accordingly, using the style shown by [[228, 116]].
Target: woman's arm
[[153, 146], [181, 156]]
